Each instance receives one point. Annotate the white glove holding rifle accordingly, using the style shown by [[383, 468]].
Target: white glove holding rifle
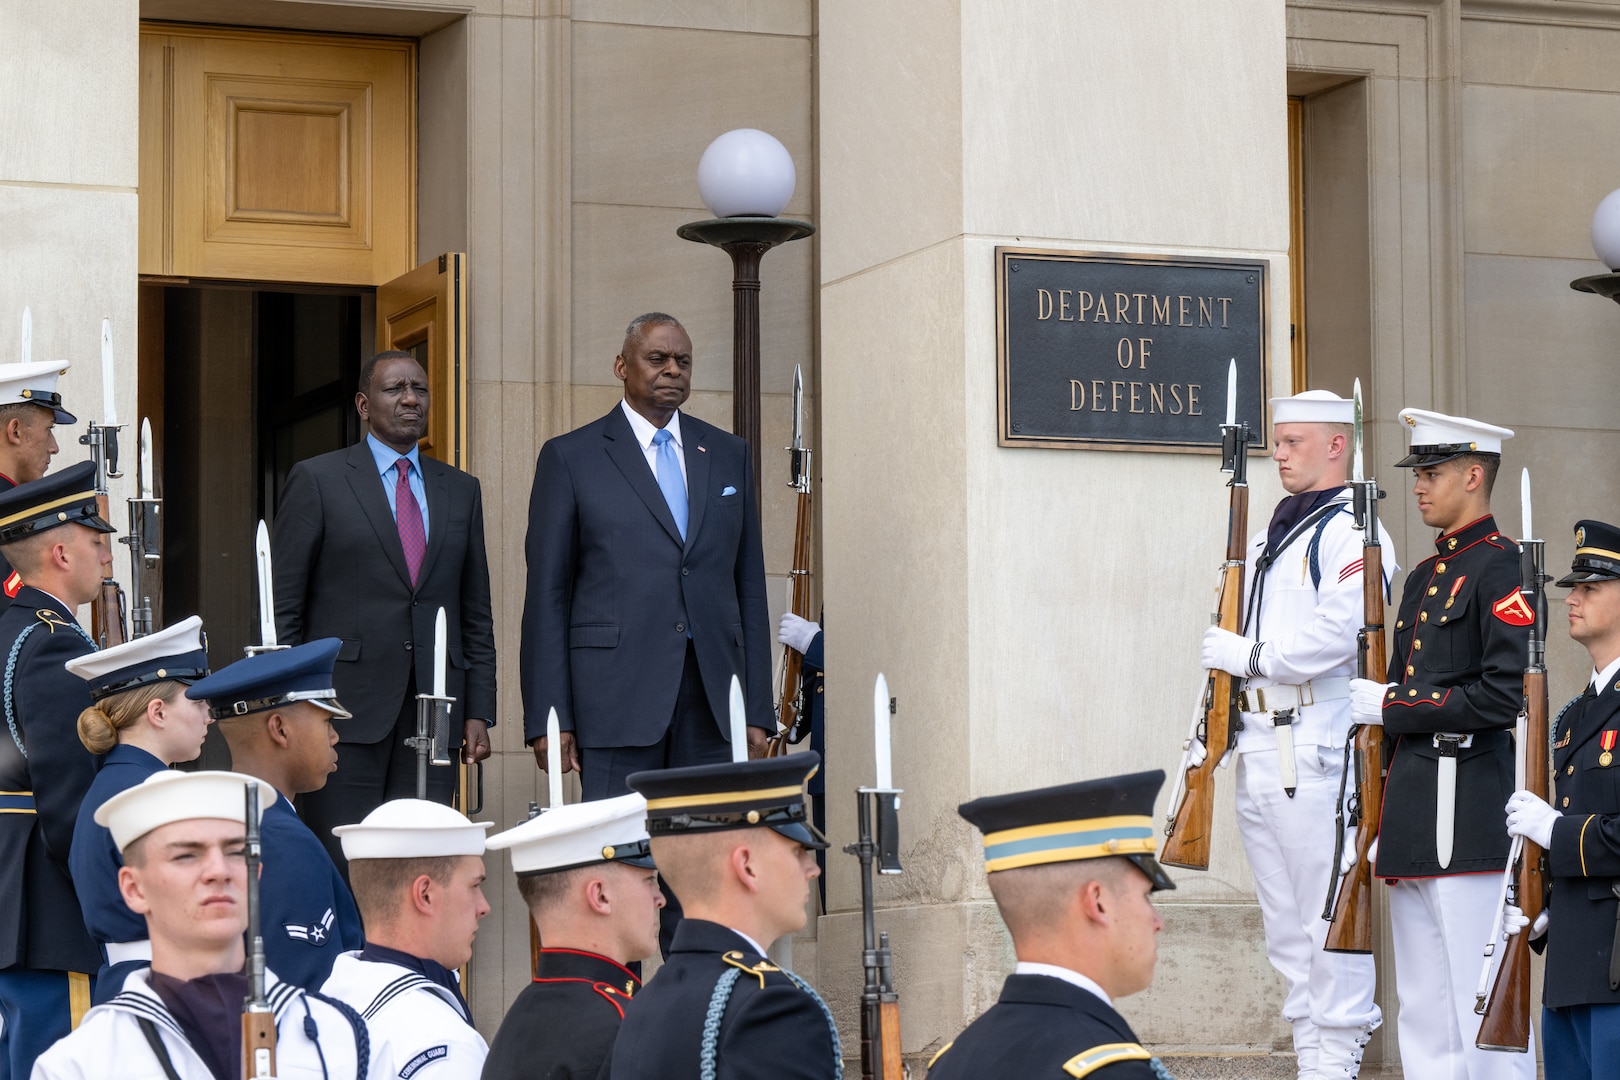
[[1514, 920], [1367, 701], [1530, 817], [1231, 653]]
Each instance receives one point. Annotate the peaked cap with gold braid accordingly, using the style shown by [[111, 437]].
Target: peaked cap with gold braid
[[1091, 819], [769, 793], [1597, 554], [58, 498]]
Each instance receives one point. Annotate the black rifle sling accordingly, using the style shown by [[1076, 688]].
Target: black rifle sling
[[155, 1041]]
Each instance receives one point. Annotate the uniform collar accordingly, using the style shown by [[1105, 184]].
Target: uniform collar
[[700, 935], [579, 964], [1601, 679], [126, 754], [1074, 978], [1452, 542], [431, 970]]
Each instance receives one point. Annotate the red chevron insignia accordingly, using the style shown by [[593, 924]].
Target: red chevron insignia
[[13, 585], [1513, 610]]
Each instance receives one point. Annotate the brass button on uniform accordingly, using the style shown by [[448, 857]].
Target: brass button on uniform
[[1566, 800], [1440, 569], [1451, 545], [1417, 644], [1433, 589], [1570, 771], [1400, 624], [1411, 671], [1411, 693], [1423, 616]]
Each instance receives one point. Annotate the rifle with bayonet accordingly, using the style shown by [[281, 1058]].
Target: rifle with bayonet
[[144, 540], [267, 594], [107, 609], [258, 1021], [792, 715], [1349, 908], [878, 825], [1506, 1025], [1192, 800]]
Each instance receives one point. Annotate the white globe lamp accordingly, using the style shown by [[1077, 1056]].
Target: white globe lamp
[[1606, 230], [746, 173]]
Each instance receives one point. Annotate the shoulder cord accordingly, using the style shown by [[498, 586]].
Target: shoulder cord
[[1552, 728], [11, 671], [154, 1040], [717, 1011], [362, 1037]]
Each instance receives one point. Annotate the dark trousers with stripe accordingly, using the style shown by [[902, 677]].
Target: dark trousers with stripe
[[36, 1009]]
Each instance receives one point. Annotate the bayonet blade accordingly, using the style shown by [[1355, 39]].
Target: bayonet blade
[[109, 407], [1358, 472], [267, 589], [1524, 505], [798, 409]]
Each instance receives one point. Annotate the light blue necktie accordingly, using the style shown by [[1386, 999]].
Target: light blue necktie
[[670, 480]]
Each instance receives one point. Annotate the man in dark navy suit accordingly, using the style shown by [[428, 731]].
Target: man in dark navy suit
[[52, 533], [1580, 831], [1073, 871], [646, 588], [369, 543]]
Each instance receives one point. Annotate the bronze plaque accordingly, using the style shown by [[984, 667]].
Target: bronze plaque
[[1127, 352]]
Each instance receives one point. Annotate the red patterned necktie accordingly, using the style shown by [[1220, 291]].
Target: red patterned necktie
[[408, 516]]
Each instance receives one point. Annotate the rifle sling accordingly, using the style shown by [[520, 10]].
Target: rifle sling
[[155, 1041]]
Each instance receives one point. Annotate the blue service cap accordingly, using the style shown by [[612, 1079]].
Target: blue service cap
[[67, 497], [178, 653], [1597, 554], [770, 793], [272, 679], [1091, 819]]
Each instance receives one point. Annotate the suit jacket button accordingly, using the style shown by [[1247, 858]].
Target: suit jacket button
[[680, 628], [685, 571], [407, 646]]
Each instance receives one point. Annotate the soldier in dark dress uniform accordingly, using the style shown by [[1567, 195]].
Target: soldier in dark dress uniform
[[1456, 671], [585, 871], [276, 710], [718, 1007], [1072, 869], [52, 534], [1580, 831], [30, 408]]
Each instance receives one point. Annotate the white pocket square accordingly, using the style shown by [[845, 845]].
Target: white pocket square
[[728, 490]]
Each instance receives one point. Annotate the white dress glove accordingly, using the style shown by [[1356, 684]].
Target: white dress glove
[[1347, 863], [1367, 701], [1515, 920], [1231, 653], [1531, 818], [797, 633]]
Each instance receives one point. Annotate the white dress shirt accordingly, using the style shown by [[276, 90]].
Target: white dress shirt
[[1603, 678], [1025, 967], [644, 432]]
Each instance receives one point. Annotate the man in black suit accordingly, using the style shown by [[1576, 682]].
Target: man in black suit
[[646, 589], [369, 543]]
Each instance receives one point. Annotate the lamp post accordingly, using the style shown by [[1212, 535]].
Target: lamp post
[[745, 178], [1606, 242]]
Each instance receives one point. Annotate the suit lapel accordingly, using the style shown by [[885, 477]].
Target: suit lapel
[[697, 475], [626, 454], [437, 484], [367, 487]]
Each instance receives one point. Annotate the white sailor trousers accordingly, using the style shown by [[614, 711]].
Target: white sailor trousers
[[1440, 925], [1290, 844]]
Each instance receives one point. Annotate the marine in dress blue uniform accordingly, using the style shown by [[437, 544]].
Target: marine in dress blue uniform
[[25, 389], [309, 915], [1455, 685], [46, 955], [1580, 832], [176, 656], [719, 1007], [562, 1025], [1053, 1020]]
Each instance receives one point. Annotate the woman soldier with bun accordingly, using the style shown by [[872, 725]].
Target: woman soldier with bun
[[142, 721]]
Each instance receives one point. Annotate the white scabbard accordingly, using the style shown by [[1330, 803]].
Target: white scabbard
[[1445, 795], [1287, 770]]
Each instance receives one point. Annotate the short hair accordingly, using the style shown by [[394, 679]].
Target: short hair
[[26, 411], [692, 863], [369, 368], [640, 323], [1035, 898], [379, 884], [541, 891], [27, 552], [1490, 464], [134, 853]]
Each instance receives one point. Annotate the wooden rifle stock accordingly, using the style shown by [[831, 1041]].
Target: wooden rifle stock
[[1506, 1025], [107, 609], [258, 1043], [1187, 843], [1350, 929], [889, 1065], [790, 692]]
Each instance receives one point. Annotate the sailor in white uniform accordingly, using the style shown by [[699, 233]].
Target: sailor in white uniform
[[416, 868], [1297, 654], [182, 838]]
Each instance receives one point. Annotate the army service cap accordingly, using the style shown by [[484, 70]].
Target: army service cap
[[1091, 819], [177, 653], [770, 793], [1597, 554], [67, 497], [170, 796], [1313, 407], [272, 679], [35, 384], [579, 834], [412, 829], [1435, 437]]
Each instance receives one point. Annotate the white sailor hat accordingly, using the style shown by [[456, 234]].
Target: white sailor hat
[[170, 796], [177, 652], [1313, 407], [580, 834], [35, 383], [412, 829], [1435, 437]]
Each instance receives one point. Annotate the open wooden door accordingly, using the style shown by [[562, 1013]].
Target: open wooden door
[[424, 313]]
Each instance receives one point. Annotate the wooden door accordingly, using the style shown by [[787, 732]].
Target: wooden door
[[424, 312]]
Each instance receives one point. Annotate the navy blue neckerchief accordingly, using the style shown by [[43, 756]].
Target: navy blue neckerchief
[[209, 1010], [431, 970]]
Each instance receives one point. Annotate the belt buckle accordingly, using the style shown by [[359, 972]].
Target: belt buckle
[[1306, 695], [1255, 699], [1448, 744]]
